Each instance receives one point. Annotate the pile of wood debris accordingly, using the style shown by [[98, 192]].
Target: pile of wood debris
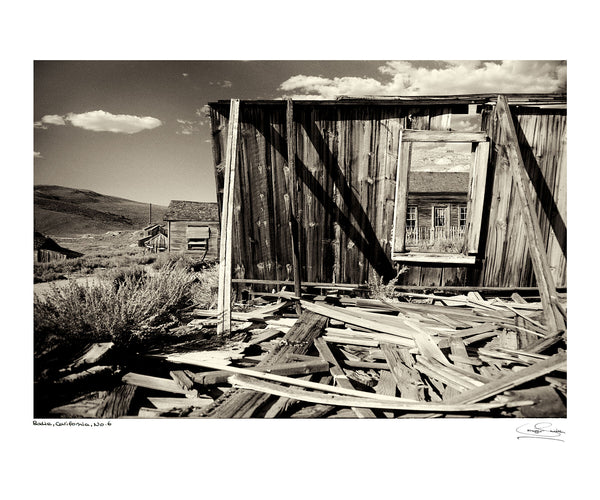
[[424, 356]]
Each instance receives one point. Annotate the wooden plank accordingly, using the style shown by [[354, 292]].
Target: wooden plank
[[289, 368], [403, 167], [224, 294], [242, 404], [292, 191], [156, 383], [443, 136], [506, 382], [339, 375], [117, 403], [406, 380], [180, 403], [182, 379], [476, 199], [537, 250], [365, 400]]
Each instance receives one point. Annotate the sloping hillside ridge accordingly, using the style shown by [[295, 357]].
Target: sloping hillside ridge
[[63, 211]]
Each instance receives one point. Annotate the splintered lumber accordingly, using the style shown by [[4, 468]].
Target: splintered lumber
[[364, 400], [406, 379], [387, 386], [85, 406], [180, 403], [226, 233], [117, 403], [506, 382], [182, 379], [313, 411], [339, 375], [155, 383], [92, 354], [537, 251], [289, 368], [266, 334], [243, 403], [370, 323], [427, 347]]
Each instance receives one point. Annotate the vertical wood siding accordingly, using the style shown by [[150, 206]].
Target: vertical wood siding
[[178, 238], [346, 166]]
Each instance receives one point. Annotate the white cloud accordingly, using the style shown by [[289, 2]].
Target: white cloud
[[53, 120], [101, 121], [39, 125], [226, 84], [185, 74], [189, 127], [448, 77], [37, 155]]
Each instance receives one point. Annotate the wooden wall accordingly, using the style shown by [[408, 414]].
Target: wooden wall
[[178, 238], [346, 166], [542, 138]]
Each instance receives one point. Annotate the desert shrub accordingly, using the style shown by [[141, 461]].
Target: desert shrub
[[181, 260], [381, 290], [111, 310], [205, 288]]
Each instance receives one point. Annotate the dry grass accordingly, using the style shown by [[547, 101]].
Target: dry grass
[[89, 264]]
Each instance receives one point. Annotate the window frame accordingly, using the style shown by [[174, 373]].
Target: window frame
[[198, 244], [475, 198]]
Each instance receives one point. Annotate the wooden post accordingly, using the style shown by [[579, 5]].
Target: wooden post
[[224, 296], [293, 194], [403, 166], [532, 228]]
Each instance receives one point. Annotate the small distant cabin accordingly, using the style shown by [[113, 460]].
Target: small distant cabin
[[193, 228], [46, 249], [155, 238]]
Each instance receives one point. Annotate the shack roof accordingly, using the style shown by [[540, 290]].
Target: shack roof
[[543, 100], [192, 210], [438, 182]]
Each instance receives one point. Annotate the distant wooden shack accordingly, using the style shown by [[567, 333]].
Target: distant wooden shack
[[46, 249], [154, 239], [193, 228], [317, 192]]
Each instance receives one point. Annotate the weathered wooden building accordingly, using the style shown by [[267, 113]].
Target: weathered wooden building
[[45, 249], [317, 191], [155, 238], [193, 227]]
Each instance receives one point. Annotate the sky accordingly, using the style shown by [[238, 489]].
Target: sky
[[138, 129]]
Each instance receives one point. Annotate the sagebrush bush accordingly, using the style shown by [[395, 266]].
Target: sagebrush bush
[[379, 289], [112, 309], [206, 288]]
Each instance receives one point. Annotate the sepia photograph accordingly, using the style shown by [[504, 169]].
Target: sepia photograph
[[311, 250], [300, 239]]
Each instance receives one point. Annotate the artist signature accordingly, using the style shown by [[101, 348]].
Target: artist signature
[[540, 430]]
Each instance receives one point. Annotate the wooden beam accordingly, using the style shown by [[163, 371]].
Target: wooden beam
[[340, 376], [403, 166], [293, 368], [292, 189], [364, 400], [533, 232], [224, 295], [442, 136], [556, 362], [477, 196]]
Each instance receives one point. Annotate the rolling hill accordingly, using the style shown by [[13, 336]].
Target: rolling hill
[[63, 211]]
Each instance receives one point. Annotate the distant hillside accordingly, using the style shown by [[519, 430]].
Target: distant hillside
[[62, 211]]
